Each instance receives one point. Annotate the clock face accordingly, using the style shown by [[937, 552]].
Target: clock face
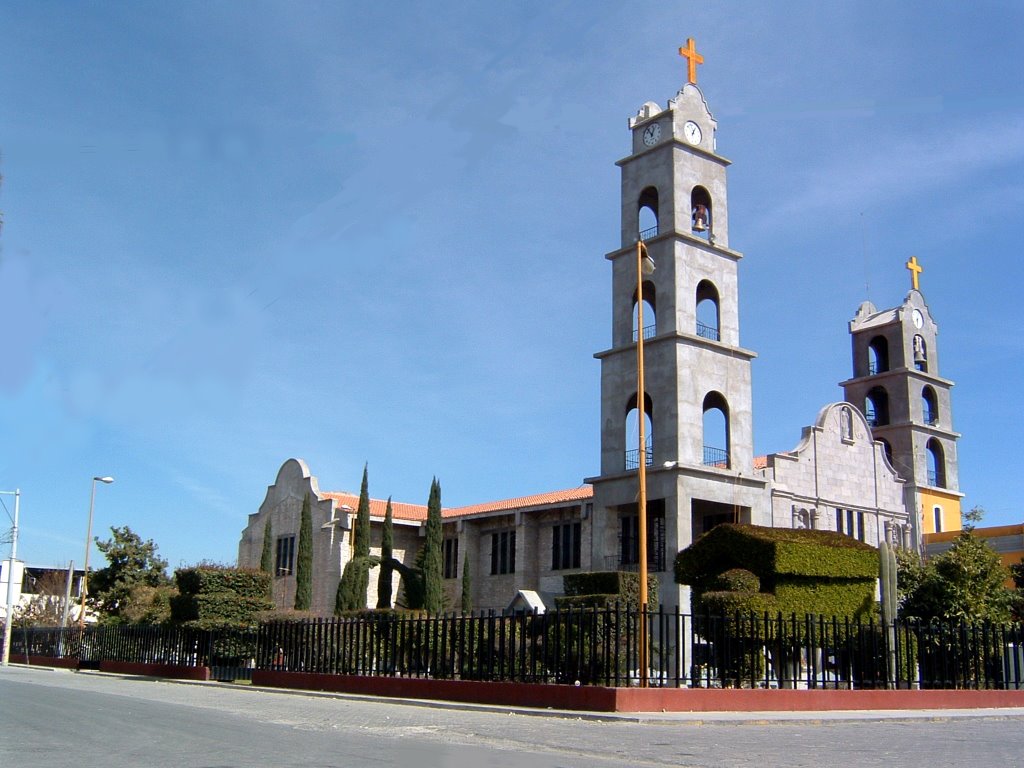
[[918, 318], [652, 133], [691, 132]]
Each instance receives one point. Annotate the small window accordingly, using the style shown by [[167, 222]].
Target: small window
[[503, 552], [629, 539], [451, 558], [851, 523], [566, 544], [937, 512], [284, 562]]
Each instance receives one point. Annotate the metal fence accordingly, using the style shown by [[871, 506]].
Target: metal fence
[[599, 646], [228, 653], [585, 646]]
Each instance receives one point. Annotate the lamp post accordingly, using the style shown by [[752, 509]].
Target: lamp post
[[88, 546], [9, 603], [644, 266]]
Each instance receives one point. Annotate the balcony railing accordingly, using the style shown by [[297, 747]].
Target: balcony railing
[[716, 457], [633, 458], [649, 331], [930, 418], [647, 234], [872, 368], [708, 332]]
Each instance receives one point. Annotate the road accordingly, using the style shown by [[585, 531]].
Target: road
[[58, 718]]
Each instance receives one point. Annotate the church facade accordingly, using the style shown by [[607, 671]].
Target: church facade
[[880, 466]]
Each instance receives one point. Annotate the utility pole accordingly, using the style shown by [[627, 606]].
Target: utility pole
[[9, 602]]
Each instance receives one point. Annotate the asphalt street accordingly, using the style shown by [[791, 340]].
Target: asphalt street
[[60, 718]]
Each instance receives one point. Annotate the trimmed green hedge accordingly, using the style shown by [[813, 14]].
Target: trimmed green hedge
[[211, 597], [749, 568], [605, 588]]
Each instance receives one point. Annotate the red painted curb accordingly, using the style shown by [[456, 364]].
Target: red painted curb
[[597, 699], [156, 670]]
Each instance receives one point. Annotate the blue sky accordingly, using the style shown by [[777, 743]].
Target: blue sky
[[374, 232]]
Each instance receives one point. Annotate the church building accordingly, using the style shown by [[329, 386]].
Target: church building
[[879, 466]]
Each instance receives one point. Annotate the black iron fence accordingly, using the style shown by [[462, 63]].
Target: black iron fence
[[228, 653], [585, 646]]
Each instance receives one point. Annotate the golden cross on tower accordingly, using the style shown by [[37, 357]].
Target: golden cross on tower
[[692, 59], [915, 272]]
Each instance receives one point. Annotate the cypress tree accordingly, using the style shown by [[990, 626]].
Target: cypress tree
[[362, 532], [387, 546], [351, 594], [467, 586], [433, 584], [304, 566]]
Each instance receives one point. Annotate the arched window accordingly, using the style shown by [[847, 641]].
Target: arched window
[[936, 464], [878, 355], [929, 406], [700, 212], [647, 214], [876, 407], [633, 432], [707, 311], [920, 353], [649, 311], [716, 431], [937, 517]]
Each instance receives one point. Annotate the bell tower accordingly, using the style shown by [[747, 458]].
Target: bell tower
[[897, 386], [697, 404]]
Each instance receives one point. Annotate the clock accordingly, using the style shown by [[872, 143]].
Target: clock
[[652, 133], [691, 132], [918, 318]]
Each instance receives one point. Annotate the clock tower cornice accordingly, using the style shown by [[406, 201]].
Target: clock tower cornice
[[676, 143], [684, 237]]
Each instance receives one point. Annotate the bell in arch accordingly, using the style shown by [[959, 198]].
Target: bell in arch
[[920, 356], [700, 218]]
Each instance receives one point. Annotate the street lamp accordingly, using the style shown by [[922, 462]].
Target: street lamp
[[644, 266], [9, 604], [88, 546]]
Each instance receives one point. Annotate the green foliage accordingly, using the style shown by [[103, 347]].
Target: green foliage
[[218, 596], [355, 580], [130, 562], [966, 582], [736, 580], [148, 605], [304, 564], [362, 531], [599, 589], [432, 563], [774, 552], [267, 555], [413, 592], [741, 568], [467, 586], [387, 546]]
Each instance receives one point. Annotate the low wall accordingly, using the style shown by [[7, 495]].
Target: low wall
[[597, 699], [70, 662], [156, 670]]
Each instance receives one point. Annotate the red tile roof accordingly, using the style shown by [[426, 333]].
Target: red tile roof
[[581, 493], [760, 462], [378, 507], [418, 512]]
